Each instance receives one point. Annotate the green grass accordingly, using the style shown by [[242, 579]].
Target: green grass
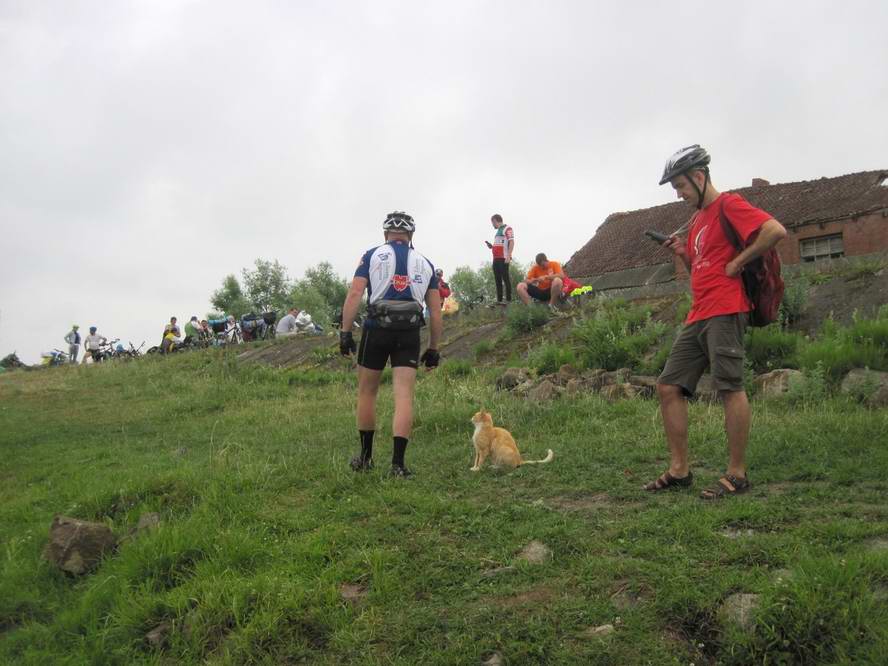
[[263, 522]]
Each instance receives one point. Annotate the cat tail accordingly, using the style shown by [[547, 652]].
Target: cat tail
[[547, 459]]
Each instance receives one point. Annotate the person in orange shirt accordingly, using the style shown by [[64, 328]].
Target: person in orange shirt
[[544, 282]]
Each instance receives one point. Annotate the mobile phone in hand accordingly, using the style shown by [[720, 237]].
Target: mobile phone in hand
[[487, 243], [656, 236]]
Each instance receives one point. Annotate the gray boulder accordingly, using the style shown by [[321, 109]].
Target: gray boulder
[[511, 378], [614, 392], [77, 546], [777, 382], [543, 391], [739, 610], [868, 386]]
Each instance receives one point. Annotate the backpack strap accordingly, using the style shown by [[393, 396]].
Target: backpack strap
[[729, 231]]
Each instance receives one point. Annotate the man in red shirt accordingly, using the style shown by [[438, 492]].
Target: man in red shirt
[[713, 331]]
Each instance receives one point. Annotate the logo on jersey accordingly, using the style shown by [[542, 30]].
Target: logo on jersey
[[400, 282], [417, 278], [383, 256]]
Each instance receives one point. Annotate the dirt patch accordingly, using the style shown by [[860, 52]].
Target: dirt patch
[[624, 597], [533, 596], [841, 298], [583, 503], [292, 351]]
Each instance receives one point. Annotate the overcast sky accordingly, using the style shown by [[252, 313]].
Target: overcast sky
[[147, 149]]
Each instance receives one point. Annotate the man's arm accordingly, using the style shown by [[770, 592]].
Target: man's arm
[[436, 321], [770, 233], [352, 303], [510, 246]]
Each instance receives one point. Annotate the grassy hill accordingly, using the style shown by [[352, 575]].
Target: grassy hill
[[271, 551]]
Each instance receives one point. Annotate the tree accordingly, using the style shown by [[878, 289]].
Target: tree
[[473, 287], [230, 298], [267, 287], [321, 293]]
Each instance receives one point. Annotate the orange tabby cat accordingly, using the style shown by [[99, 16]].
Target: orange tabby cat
[[497, 444]]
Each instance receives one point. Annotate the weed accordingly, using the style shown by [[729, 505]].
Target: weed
[[483, 348], [810, 388], [793, 304], [616, 336], [550, 356], [771, 347], [457, 368], [526, 318]]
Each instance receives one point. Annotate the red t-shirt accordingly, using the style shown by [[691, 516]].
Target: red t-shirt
[[709, 251]]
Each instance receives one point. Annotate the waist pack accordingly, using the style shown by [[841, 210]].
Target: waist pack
[[761, 278], [396, 315]]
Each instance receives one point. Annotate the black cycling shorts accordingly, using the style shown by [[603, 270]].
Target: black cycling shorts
[[378, 345]]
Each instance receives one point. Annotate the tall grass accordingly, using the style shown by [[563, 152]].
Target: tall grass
[[616, 336]]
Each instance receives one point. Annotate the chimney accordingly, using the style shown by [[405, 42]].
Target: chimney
[[759, 182]]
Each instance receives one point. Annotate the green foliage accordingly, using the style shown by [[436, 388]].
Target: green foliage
[[456, 368], [483, 348], [793, 304], [617, 336], [771, 347], [550, 356], [861, 269], [267, 286], [306, 297], [684, 307], [811, 388], [522, 318], [472, 287], [230, 299], [863, 344]]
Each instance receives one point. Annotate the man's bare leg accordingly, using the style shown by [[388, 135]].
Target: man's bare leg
[[521, 290], [368, 388], [674, 410], [403, 382], [737, 419], [555, 291]]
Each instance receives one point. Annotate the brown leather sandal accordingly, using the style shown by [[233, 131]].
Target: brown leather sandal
[[727, 485], [668, 482]]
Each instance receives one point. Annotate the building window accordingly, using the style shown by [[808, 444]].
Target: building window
[[822, 247]]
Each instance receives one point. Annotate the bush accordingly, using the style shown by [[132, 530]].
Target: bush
[[551, 356], [617, 336], [837, 357], [811, 387], [472, 287], [526, 318], [483, 348], [793, 303], [457, 368], [771, 347]]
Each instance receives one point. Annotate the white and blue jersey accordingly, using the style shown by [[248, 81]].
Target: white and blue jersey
[[396, 272]]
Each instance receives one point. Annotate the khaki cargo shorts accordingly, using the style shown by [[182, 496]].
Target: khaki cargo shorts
[[716, 343]]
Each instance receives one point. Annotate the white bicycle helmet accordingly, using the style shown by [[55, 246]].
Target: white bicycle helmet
[[685, 160], [399, 221]]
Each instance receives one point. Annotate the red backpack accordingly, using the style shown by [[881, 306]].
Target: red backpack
[[761, 277]]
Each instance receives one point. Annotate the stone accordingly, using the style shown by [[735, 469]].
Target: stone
[[734, 533], [594, 379], [77, 546], [878, 545], [157, 637], [614, 392], [148, 521], [565, 373], [620, 376], [496, 659], [351, 592], [777, 382], [739, 609], [536, 552], [646, 384], [574, 386], [511, 378], [868, 386], [603, 630], [492, 573], [543, 391]]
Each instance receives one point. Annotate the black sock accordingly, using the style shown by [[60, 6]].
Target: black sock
[[398, 452], [366, 444]]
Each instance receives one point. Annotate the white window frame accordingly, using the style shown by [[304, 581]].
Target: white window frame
[[818, 248]]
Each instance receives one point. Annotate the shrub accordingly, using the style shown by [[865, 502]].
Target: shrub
[[526, 318], [483, 348], [793, 303], [681, 311], [616, 336], [837, 357], [771, 347], [457, 368], [811, 387], [551, 356]]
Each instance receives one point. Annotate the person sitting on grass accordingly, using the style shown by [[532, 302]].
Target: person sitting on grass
[[544, 282]]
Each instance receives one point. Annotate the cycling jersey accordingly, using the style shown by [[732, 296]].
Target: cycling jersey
[[502, 236], [396, 272]]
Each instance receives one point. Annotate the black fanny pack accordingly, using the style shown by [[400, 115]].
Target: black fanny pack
[[396, 315]]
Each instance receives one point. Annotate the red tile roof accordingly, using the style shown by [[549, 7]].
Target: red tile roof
[[620, 242]]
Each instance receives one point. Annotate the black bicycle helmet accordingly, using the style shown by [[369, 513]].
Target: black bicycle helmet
[[692, 157], [683, 162], [399, 221]]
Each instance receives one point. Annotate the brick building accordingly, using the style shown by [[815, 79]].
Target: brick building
[[845, 216]]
